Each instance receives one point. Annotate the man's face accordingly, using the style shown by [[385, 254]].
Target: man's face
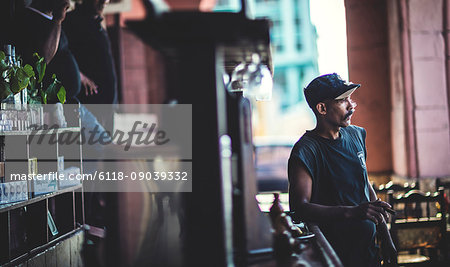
[[339, 112]]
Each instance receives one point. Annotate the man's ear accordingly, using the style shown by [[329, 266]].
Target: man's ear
[[321, 108]]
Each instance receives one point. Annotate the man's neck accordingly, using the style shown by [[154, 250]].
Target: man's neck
[[327, 132]]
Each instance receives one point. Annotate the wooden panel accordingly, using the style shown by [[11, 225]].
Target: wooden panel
[[50, 257], [4, 237], [37, 261], [63, 253], [76, 245]]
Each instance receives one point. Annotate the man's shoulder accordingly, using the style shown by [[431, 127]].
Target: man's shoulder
[[306, 141]]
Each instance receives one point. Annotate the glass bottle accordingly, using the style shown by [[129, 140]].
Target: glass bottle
[[17, 97], [8, 55], [18, 63], [10, 100]]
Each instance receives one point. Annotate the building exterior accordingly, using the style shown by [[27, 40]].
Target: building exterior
[[295, 61], [294, 43]]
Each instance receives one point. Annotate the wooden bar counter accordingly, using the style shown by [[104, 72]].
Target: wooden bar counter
[[314, 252]]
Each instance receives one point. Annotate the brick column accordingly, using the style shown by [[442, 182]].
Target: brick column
[[447, 51], [397, 86], [429, 99], [368, 65], [404, 96]]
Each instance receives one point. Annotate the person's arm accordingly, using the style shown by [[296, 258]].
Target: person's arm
[[89, 85], [50, 45], [300, 196]]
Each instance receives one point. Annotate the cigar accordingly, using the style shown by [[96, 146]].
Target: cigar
[[391, 211]]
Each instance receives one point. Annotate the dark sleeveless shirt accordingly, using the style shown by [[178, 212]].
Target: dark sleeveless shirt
[[339, 178]]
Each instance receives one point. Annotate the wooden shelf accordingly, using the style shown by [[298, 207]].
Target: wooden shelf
[[40, 132], [22, 258], [15, 205], [29, 227]]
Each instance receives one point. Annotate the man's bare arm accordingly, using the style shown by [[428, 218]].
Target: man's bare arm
[[300, 195], [51, 41]]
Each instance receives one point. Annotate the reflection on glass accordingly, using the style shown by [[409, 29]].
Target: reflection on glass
[[253, 79], [260, 80]]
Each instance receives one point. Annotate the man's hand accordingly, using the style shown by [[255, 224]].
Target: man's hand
[[389, 253], [388, 250], [59, 10], [375, 211], [89, 86]]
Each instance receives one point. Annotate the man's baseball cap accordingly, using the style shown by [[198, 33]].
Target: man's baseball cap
[[328, 86]]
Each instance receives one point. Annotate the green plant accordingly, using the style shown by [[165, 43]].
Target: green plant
[[53, 93], [15, 79]]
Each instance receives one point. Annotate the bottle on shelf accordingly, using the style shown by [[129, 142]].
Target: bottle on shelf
[[23, 95], [276, 210], [9, 63], [13, 55], [8, 55], [283, 241], [2, 171], [11, 99]]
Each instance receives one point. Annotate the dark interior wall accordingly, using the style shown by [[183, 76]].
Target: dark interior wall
[[7, 10]]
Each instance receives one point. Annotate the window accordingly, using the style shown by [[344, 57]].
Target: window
[[298, 42]]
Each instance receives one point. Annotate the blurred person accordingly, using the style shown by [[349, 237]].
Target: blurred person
[[328, 181], [40, 24], [39, 30], [91, 46]]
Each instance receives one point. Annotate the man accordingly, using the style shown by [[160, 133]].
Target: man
[[90, 44], [41, 31], [328, 182]]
